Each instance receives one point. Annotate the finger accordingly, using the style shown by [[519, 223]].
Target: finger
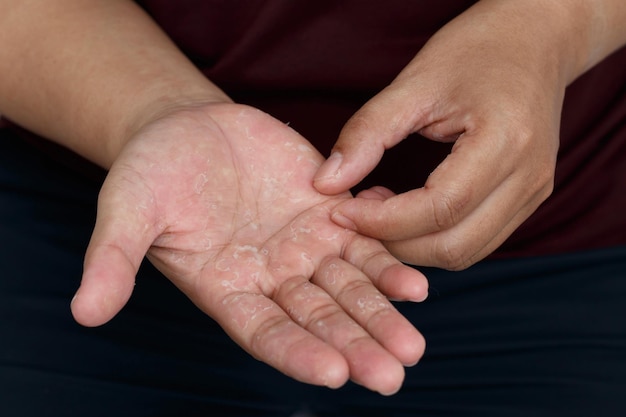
[[236, 289], [376, 193], [392, 278], [120, 239], [381, 123], [370, 309], [476, 236], [265, 330], [296, 256], [370, 365], [473, 170]]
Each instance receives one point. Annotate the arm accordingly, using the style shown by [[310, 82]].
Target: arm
[[492, 81], [88, 74]]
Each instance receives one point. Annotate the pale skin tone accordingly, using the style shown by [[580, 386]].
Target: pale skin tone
[[102, 79], [219, 197], [251, 243], [492, 81]]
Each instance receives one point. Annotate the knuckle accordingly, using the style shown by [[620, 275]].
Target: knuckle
[[375, 262], [447, 209], [261, 341], [359, 122], [350, 288], [542, 149], [545, 181], [453, 255], [323, 313]]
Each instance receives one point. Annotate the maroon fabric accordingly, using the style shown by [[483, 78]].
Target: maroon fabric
[[310, 63], [314, 63], [588, 206]]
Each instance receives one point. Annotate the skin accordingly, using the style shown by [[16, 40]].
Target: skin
[[492, 81], [190, 187], [220, 197], [217, 195]]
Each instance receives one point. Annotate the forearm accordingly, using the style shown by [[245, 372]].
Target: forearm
[[89, 73], [581, 32], [605, 22]]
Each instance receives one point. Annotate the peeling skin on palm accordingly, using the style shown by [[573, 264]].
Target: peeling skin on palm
[[242, 268], [246, 308], [275, 188], [295, 314], [373, 303], [298, 228], [313, 308], [304, 152], [201, 182], [302, 229], [248, 254], [235, 222], [332, 273], [305, 296]]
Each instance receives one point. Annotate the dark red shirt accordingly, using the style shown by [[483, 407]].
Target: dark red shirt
[[314, 63]]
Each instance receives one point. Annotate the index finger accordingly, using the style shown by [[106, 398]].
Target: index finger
[[468, 175], [267, 332]]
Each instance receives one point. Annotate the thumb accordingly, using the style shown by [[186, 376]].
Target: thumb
[[380, 124], [119, 242]]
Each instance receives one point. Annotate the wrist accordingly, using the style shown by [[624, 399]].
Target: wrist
[[579, 34], [94, 73], [155, 104], [603, 29], [570, 36]]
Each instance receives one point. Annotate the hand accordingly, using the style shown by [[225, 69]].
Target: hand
[[491, 80], [220, 197]]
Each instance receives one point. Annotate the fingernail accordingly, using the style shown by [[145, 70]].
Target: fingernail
[[343, 221], [330, 169]]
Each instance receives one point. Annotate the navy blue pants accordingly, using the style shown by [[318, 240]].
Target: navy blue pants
[[531, 337]]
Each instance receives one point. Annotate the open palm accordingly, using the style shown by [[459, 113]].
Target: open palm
[[220, 198]]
